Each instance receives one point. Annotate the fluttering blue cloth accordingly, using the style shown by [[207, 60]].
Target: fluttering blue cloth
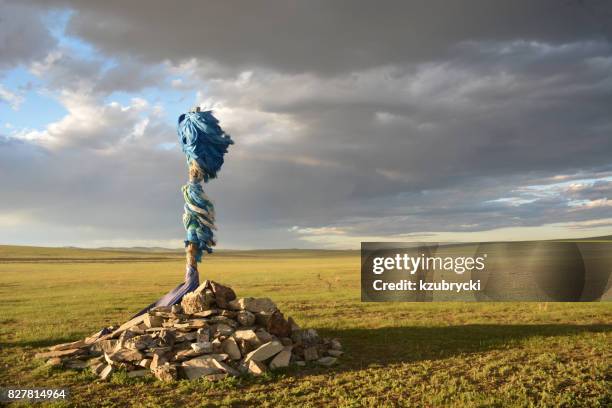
[[191, 283], [204, 143], [203, 140]]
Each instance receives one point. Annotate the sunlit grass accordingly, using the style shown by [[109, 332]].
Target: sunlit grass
[[397, 354]]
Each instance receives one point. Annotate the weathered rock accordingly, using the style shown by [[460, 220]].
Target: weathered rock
[[203, 334], [206, 313], [263, 336], [60, 353], [226, 368], [68, 346], [253, 305], [176, 309], [191, 324], [165, 372], [157, 360], [222, 329], [103, 346], [106, 372], [311, 354], [217, 346], [278, 326], [125, 355], [146, 363], [166, 338], [140, 342], [286, 341], [255, 367], [265, 351], [335, 353], [97, 368], [230, 347], [245, 318], [247, 335], [327, 361], [282, 359], [152, 320], [223, 294], [335, 345], [199, 300], [203, 347]]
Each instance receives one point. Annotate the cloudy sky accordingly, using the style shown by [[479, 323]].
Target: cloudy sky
[[353, 120]]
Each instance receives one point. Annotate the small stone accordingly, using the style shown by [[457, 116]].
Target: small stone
[[165, 372], [190, 324], [311, 354], [68, 346], [203, 334], [327, 361], [157, 360], [263, 336], [223, 294], [192, 373], [230, 347], [146, 363], [176, 309], [202, 347], [335, 345], [335, 353], [60, 353], [226, 368], [253, 305], [300, 363], [206, 313], [245, 318], [222, 329], [286, 341], [255, 367], [281, 359], [125, 355], [247, 335], [152, 321], [140, 342], [97, 368], [199, 300], [106, 372], [278, 326], [265, 351], [310, 336], [166, 338], [217, 346]]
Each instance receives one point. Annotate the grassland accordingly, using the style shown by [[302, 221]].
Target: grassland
[[397, 354]]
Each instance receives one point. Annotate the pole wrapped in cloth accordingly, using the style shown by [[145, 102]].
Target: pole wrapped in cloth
[[204, 144]]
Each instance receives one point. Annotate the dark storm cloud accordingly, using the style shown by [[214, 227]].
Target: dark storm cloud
[[23, 35], [325, 36]]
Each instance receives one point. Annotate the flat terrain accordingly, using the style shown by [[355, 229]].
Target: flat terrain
[[397, 354]]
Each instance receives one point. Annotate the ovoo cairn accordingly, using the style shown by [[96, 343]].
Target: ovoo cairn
[[198, 330]]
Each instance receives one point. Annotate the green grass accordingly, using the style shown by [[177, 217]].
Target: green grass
[[397, 354]]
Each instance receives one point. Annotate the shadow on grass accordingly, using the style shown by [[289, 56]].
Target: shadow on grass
[[405, 344]]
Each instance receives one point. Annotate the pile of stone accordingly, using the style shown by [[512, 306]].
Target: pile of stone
[[211, 335]]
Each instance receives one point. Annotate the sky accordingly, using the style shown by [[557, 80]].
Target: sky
[[352, 120]]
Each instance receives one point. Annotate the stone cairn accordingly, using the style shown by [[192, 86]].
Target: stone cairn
[[210, 335]]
